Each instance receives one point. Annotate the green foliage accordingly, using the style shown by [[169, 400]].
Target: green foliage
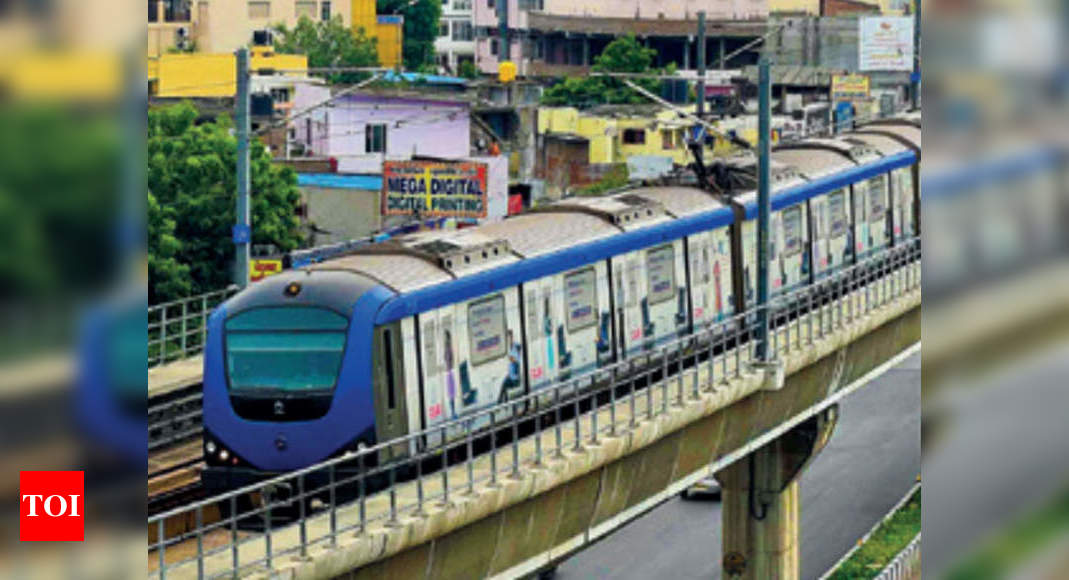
[[191, 177], [59, 179], [616, 178], [421, 29], [467, 70], [623, 55], [884, 544], [329, 44]]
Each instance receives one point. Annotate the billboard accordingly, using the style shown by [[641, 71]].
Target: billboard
[[885, 43], [849, 88], [434, 188]]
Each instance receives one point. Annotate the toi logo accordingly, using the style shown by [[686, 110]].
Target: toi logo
[[51, 506]]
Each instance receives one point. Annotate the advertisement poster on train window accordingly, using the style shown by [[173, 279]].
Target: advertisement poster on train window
[[434, 189], [886, 43]]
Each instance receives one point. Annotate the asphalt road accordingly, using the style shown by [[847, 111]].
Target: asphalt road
[[871, 462]]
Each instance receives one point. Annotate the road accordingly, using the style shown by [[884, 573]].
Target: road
[[871, 462]]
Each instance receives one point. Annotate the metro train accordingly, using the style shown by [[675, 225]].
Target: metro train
[[418, 330]]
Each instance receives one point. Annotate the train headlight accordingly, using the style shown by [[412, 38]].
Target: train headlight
[[210, 447], [224, 455]]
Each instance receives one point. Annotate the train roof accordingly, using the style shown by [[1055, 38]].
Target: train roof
[[426, 270], [885, 144], [905, 132]]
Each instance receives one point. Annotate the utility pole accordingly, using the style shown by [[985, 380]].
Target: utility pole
[[764, 204], [701, 63], [503, 29], [916, 80], [242, 233]]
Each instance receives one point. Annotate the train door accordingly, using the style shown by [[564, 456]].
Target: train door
[[629, 287], [840, 251], [585, 333], [902, 183], [489, 344], [538, 336], [878, 200], [664, 306], [391, 416], [860, 231], [793, 259], [712, 297]]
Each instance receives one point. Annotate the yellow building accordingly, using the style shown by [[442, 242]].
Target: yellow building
[[223, 27], [214, 75], [387, 30], [614, 137]]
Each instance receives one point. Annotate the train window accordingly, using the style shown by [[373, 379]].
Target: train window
[[285, 349], [792, 231], [837, 211], [877, 197], [660, 269], [486, 329], [580, 294]]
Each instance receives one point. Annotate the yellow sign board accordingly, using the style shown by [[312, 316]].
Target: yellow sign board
[[260, 269], [849, 88]]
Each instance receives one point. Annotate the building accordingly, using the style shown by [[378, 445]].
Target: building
[[206, 76], [362, 130], [386, 30], [223, 27], [456, 35], [562, 37], [839, 7]]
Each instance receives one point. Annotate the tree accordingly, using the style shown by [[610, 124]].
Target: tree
[[329, 44], [421, 30], [191, 177], [623, 55]]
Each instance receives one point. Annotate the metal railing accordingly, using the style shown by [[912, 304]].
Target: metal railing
[[364, 487], [906, 565], [177, 330], [175, 419]]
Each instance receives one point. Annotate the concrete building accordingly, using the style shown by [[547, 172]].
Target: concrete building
[[456, 35], [361, 131], [562, 37], [223, 27], [200, 75]]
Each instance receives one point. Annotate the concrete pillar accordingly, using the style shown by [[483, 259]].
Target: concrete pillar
[[723, 52], [761, 508]]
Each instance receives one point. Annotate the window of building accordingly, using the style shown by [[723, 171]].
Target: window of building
[[493, 46], [660, 270], [259, 9], [375, 138], [324, 11], [461, 5], [666, 140], [280, 95], [462, 30], [443, 29], [580, 298], [486, 329], [634, 136], [307, 9]]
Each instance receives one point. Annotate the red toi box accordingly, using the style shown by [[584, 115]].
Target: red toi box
[[51, 506]]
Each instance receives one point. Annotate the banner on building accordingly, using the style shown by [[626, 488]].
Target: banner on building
[[885, 43], [434, 189], [849, 88]]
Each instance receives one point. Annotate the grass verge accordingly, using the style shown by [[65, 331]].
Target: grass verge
[[884, 544]]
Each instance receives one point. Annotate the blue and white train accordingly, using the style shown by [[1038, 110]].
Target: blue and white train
[[409, 333]]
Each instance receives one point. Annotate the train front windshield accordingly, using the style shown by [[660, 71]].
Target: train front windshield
[[284, 350]]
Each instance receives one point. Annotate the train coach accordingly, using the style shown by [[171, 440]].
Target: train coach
[[415, 331]]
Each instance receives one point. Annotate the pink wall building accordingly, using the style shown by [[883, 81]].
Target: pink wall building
[[363, 130]]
